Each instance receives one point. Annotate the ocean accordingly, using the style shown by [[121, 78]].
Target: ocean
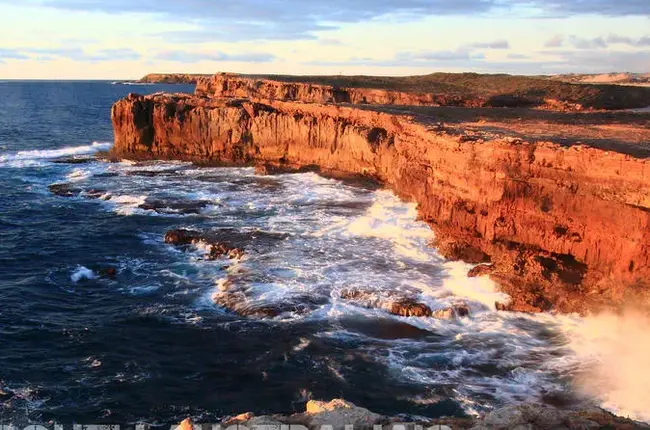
[[150, 345]]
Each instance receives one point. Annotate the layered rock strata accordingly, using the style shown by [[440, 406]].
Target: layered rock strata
[[564, 227]]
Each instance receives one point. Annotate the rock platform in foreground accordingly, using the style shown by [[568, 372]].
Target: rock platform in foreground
[[338, 413]]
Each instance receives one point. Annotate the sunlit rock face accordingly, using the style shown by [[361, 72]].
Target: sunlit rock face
[[566, 228]]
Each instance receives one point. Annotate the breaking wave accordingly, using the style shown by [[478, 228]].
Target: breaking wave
[[323, 237], [39, 154]]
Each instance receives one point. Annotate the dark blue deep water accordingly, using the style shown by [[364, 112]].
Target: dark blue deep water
[[151, 345]]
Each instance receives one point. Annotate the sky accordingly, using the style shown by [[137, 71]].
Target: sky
[[126, 39]]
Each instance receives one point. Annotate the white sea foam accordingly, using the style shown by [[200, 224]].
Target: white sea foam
[[82, 272], [375, 243], [127, 204], [55, 153], [482, 290]]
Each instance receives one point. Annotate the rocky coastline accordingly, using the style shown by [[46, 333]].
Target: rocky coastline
[[554, 206], [339, 414]]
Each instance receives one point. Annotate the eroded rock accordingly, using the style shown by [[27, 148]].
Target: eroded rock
[[217, 248], [392, 302], [338, 413]]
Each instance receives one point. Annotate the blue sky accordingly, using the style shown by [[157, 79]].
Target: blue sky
[[124, 39]]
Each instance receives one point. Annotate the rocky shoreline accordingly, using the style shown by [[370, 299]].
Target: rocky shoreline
[[555, 207], [338, 413]]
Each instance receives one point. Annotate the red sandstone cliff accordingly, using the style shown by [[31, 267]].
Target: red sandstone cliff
[[438, 89], [565, 227]]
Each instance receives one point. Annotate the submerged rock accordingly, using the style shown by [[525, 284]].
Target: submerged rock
[[64, 190], [217, 248], [69, 190], [107, 272], [73, 160], [240, 299], [171, 205]]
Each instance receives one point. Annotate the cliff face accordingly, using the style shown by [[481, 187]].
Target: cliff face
[[565, 228]]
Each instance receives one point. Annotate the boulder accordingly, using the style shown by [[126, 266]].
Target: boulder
[[217, 248], [64, 190], [238, 419], [408, 308], [167, 206], [186, 424], [338, 413]]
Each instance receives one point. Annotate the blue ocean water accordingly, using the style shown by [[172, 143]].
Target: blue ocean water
[[152, 346]]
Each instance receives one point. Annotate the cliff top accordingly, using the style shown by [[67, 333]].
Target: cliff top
[[623, 132], [599, 96], [171, 78]]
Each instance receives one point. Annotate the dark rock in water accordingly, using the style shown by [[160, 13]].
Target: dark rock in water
[[455, 311], [500, 306], [106, 175], [397, 304], [394, 303], [461, 310], [69, 190], [167, 206], [96, 194], [182, 237], [73, 160], [237, 301], [64, 190], [389, 329], [481, 270], [240, 298], [218, 248], [107, 272], [153, 173], [409, 308]]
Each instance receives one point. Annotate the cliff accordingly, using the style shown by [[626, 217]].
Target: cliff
[[171, 78], [565, 226], [438, 89]]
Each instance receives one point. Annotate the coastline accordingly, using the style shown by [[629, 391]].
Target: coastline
[[539, 213]]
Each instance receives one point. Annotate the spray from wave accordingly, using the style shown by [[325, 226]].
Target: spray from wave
[[616, 350]]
